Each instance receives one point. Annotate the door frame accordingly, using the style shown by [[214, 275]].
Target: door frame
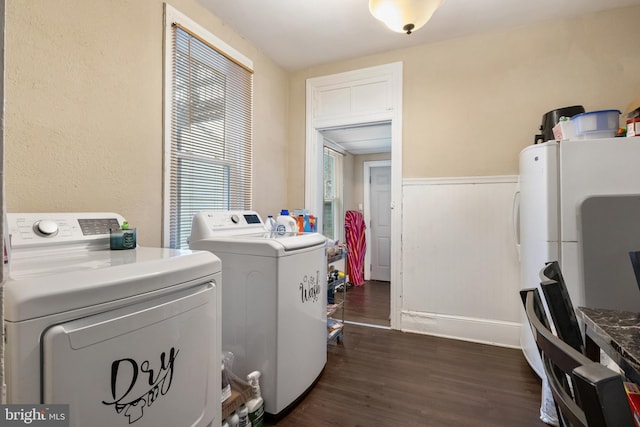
[[389, 78], [367, 166]]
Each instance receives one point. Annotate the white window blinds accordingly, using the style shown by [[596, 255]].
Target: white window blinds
[[333, 215], [210, 133]]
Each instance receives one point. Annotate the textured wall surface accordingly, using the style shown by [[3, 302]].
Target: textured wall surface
[[84, 109], [473, 103]]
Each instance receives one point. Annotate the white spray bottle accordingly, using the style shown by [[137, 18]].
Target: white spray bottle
[[270, 224], [255, 405], [243, 416]]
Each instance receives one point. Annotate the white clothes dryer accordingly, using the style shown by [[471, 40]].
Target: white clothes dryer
[[124, 337], [274, 317]]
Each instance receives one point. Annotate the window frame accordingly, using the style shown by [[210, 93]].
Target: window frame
[[338, 192], [171, 16]]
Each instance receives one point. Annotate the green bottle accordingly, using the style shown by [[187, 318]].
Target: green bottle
[[255, 405]]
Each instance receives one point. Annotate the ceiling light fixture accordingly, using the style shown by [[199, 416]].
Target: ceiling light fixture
[[404, 16]]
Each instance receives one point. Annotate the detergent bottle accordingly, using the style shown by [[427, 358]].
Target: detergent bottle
[[285, 223]]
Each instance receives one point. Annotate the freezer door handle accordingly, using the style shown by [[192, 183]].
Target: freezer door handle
[[515, 219]]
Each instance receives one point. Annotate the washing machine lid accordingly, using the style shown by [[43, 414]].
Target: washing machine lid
[[264, 244], [65, 262], [74, 268], [63, 284]]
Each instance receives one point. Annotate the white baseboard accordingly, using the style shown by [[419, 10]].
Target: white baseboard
[[494, 332]]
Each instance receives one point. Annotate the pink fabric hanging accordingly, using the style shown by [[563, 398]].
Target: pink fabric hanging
[[356, 245]]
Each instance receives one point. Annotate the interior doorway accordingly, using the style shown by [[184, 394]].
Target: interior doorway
[[354, 98], [363, 184]]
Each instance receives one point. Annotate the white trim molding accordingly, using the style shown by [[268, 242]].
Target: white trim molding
[[368, 95], [484, 331]]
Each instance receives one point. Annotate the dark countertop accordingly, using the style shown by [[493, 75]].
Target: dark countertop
[[614, 330]]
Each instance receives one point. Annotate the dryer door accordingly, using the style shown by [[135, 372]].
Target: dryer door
[[150, 364]]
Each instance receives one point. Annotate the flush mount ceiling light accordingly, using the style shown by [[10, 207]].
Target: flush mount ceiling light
[[404, 16]]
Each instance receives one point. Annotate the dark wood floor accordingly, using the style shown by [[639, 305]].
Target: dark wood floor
[[379, 377], [368, 303]]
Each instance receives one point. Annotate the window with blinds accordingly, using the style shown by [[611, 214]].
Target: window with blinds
[[209, 137], [333, 193]]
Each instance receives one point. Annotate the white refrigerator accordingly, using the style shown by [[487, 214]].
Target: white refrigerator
[[579, 204]]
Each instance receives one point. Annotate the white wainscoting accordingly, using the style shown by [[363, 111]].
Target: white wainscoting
[[460, 265]]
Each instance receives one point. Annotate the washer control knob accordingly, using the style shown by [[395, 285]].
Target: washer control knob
[[235, 219], [46, 228]]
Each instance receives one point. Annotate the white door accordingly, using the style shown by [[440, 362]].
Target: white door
[[381, 223], [149, 364]]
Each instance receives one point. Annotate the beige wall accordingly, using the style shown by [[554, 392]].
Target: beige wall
[[84, 102], [356, 190], [84, 109], [471, 104]]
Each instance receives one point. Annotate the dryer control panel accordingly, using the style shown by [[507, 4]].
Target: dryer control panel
[[29, 230]]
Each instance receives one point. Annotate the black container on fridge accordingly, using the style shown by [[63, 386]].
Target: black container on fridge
[[550, 119]]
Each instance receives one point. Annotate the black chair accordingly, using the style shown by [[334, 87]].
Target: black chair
[[635, 263], [586, 393], [560, 306]]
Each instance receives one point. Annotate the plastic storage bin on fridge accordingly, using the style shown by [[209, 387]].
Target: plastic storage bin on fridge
[[596, 124]]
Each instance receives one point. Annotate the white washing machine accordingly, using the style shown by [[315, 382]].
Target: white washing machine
[[274, 315], [124, 337]]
